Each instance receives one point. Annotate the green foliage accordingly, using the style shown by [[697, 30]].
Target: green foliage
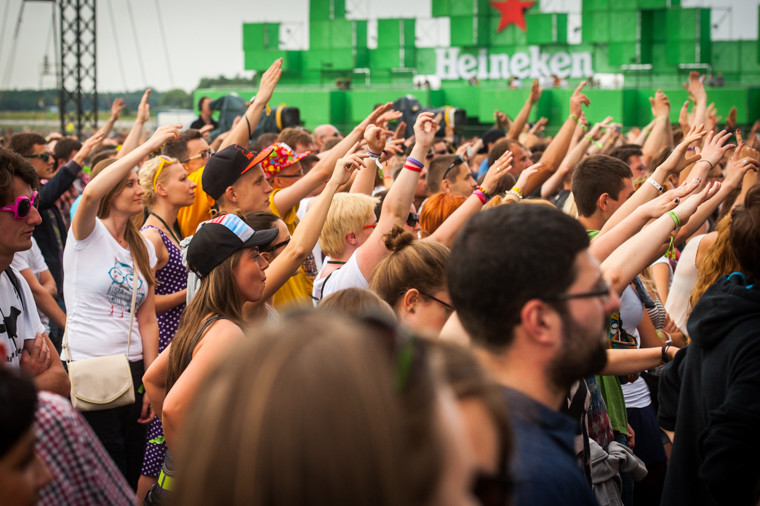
[[176, 98], [212, 82]]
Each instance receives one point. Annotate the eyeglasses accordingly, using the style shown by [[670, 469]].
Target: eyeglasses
[[603, 292], [369, 226], [41, 156], [205, 154], [22, 206], [269, 253], [448, 307], [412, 220], [457, 160], [298, 174]]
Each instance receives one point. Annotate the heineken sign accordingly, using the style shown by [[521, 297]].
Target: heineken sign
[[451, 65]]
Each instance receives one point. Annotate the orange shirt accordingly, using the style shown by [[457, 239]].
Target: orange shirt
[[189, 217]]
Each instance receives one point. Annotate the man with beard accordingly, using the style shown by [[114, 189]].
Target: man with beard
[[536, 307]]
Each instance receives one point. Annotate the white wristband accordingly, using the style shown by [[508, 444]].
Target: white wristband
[[657, 185]]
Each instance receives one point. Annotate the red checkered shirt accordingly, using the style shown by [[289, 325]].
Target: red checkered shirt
[[83, 472]]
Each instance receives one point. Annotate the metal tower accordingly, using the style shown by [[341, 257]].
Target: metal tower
[[78, 94]]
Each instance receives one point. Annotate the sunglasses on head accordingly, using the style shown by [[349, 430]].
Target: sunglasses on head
[[457, 160], [22, 206], [41, 156]]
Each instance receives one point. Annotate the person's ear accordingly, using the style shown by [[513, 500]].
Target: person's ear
[[541, 322], [230, 194], [445, 186], [410, 300], [160, 190], [351, 238], [602, 201]]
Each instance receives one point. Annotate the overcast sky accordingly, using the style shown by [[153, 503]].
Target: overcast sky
[[204, 38]]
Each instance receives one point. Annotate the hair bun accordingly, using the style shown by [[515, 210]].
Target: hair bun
[[398, 239]]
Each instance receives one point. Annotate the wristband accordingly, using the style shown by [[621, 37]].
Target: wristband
[[675, 218], [661, 118], [373, 155], [512, 192], [415, 162], [706, 161], [413, 168], [584, 127], [664, 354], [574, 117], [379, 167], [481, 196], [517, 191], [657, 185], [589, 138], [483, 190]]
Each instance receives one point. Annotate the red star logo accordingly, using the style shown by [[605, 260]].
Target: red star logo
[[512, 11]]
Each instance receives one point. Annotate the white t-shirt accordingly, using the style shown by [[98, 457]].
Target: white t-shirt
[[300, 213], [684, 281], [33, 260], [636, 394], [20, 321], [98, 293], [347, 276]]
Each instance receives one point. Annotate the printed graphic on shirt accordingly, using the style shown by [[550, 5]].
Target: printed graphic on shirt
[[119, 294], [9, 326]]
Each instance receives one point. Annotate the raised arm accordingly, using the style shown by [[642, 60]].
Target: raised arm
[[84, 219], [661, 135], [116, 107], [399, 198], [242, 132], [557, 149], [307, 233], [518, 124], [62, 180], [285, 199], [133, 137], [696, 89], [627, 261], [675, 163]]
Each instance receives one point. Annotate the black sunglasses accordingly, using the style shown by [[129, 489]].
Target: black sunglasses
[[269, 252], [41, 156], [412, 220], [457, 160]]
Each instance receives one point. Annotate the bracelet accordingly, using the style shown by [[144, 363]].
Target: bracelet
[[670, 338], [657, 185], [659, 335], [706, 161], [675, 218], [415, 162], [517, 191], [589, 138], [584, 127], [574, 117], [661, 118], [481, 196], [249, 127], [379, 167], [483, 190], [692, 148], [412, 167], [664, 354], [373, 155], [598, 144], [513, 192]]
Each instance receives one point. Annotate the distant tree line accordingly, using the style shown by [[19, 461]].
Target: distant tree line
[[42, 100]]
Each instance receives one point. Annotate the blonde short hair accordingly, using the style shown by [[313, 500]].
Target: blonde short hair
[[348, 213], [147, 174]]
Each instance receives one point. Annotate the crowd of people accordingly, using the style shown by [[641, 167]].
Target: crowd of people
[[361, 317]]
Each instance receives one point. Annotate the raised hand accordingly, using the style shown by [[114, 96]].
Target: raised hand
[[660, 105], [683, 117], [742, 161], [577, 99], [696, 88], [425, 128], [163, 135], [668, 200], [501, 166], [539, 126], [116, 107], [596, 130], [526, 174], [535, 92], [87, 147], [143, 110], [686, 208], [372, 118], [731, 120], [715, 146], [676, 162], [375, 137], [346, 166], [268, 81]]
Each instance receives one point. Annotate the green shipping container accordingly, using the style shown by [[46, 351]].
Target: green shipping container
[[325, 10], [469, 31], [548, 28], [596, 27], [624, 26]]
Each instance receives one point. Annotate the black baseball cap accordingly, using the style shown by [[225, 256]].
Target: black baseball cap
[[226, 167], [217, 239]]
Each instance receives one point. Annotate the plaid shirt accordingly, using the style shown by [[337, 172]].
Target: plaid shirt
[[83, 472]]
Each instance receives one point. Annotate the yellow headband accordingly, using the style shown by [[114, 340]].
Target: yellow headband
[[164, 161]]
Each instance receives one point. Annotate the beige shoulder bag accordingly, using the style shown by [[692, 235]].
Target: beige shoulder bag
[[103, 382]]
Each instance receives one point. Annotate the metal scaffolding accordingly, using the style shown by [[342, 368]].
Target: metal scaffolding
[[78, 94]]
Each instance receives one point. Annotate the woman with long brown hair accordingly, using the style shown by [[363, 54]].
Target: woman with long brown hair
[[106, 256]]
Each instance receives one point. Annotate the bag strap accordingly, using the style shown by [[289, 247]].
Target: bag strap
[[16, 286], [135, 276], [197, 337]]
